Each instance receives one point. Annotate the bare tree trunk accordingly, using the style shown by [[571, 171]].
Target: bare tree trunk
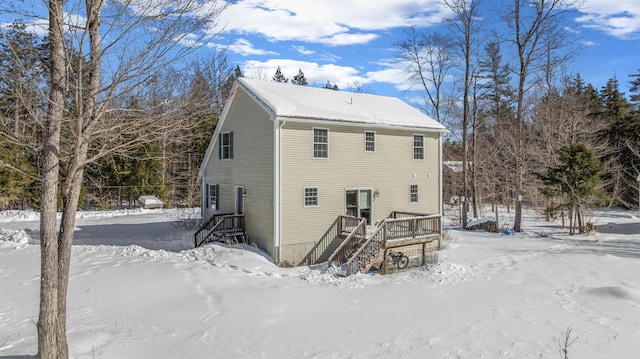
[[535, 23], [48, 317], [91, 124]]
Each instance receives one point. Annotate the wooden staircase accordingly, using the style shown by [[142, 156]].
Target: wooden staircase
[[228, 228], [359, 251]]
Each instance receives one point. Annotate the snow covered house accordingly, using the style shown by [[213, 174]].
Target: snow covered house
[[311, 174]]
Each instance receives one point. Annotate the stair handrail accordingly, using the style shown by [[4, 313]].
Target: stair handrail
[[420, 225], [322, 244], [207, 228], [342, 252], [364, 256]]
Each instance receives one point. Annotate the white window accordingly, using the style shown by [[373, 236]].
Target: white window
[[320, 143], [418, 147], [311, 196], [212, 196], [413, 193], [225, 146], [369, 141]]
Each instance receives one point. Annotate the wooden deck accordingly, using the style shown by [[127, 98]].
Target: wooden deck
[[359, 248]]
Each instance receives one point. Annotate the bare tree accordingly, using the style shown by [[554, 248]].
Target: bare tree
[[50, 345], [534, 23], [97, 59], [429, 59], [465, 12]]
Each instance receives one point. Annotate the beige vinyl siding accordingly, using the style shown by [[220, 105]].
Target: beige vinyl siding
[[390, 170], [251, 167]]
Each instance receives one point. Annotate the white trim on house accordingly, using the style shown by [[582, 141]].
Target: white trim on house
[[277, 192], [323, 122], [440, 196]]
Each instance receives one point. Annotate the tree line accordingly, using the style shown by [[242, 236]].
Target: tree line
[[527, 130], [174, 112]]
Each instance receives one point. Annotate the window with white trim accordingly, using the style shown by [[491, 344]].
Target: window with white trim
[[311, 196], [418, 147], [413, 193], [225, 146], [369, 141], [212, 196], [320, 143]]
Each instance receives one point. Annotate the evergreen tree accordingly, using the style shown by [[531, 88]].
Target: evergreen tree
[[238, 72], [23, 69], [279, 77], [635, 90], [299, 79], [329, 86], [576, 179], [623, 131]]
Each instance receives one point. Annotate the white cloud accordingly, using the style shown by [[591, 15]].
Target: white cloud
[[244, 47], [329, 22], [38, 27], [348, 39], [316, 74], [302, 50], [619, 18]]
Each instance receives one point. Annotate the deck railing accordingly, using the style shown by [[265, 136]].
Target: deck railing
[[219, 225], [322, 245], [357, 234], [413, 227]]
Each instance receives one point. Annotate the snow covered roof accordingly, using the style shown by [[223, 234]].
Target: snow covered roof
[[455, 166], [312, 103]]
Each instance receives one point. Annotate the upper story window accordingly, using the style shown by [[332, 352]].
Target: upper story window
[[320, 143], [225, 146], [413, 193], [418, 147], [369, 141]]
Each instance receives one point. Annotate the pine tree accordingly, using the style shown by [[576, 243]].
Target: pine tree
[[279, 77], [299, 79], [635, 90], [23, 69], [329, 86], [623, 131], [576, 179]]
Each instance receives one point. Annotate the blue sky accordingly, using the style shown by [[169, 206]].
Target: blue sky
[[344, 41], [348, 41]]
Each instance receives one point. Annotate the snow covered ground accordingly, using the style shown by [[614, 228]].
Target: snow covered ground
[[139, 290]]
